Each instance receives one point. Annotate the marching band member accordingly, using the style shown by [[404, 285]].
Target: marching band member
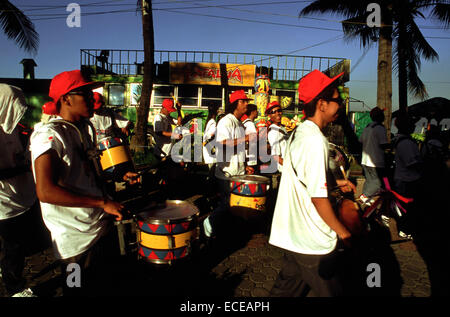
[[73, 205], [304, 223], [277, 135], [231, 138]]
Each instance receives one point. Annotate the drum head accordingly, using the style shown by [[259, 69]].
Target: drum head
[[250, 179], [174, 211]]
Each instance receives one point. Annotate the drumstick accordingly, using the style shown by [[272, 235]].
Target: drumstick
[[173, 97], [343, 172], [345, 177]]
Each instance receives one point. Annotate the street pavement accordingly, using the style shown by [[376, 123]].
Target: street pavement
[[233, 267]]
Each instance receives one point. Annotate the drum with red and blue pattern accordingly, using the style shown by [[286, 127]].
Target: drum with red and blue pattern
[[166, 235]]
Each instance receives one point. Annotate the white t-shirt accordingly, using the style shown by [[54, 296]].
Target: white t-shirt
[[371, 138], [74, 230], [252, 152], [277, 137], [210, 132], [18, 193], [296, 225], [230, 163], [162, 123], [102, 122], [406, 154]]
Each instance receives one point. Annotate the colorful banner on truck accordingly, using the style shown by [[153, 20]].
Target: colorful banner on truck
[[211, 74]]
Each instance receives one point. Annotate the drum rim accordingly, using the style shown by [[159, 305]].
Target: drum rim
[[266, 180], [159, 221]]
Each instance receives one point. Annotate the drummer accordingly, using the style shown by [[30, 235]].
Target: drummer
[[303, 195], [231, 139], [277, 135], [108, 123], [74, 208], [162, 125]]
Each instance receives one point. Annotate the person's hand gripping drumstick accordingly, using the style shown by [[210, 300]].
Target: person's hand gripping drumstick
[[345, 185]]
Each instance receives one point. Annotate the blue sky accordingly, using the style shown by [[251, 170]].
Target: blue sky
[[196, 29]]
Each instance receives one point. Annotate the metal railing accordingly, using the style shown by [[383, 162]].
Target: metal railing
[[279, 67]]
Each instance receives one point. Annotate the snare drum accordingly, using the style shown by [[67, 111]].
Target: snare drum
[[248, 195], [166, 234], [115, 158]]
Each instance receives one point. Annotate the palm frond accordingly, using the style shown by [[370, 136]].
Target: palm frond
[[441, 11], [18, 27], [346, 8], [356, 28], [418, 42]]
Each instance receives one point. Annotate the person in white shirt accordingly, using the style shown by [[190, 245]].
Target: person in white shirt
[[304, 222], [74, 207], [277, 135], [162, 126], [250, 128], [18, 199], [209, 136], [108, 123], [374, 142], [230, 140]]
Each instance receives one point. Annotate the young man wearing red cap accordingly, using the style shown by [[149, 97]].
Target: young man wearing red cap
[[107, 122], [304, 222], [231, 139], [277, 135], [162, 126], [74, 207], [374, 142]]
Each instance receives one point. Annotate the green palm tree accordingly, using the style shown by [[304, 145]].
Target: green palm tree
[[398, 35], [18, 27]]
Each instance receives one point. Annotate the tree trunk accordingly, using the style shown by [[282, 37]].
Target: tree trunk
[[140, 140], [384, 80], [402, 71]]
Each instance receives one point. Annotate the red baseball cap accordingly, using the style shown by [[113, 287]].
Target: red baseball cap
[[168, 104], [238, 95], [67, 81], [49, 108], [310, 86], [98, 100], [271, 105]]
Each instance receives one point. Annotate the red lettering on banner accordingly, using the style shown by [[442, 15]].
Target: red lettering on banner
[[235, 74], [214, 74]]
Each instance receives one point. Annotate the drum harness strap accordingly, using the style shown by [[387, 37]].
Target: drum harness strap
[[288, 153], [92, 153]]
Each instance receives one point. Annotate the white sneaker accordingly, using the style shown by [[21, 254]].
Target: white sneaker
[[403, 235], [25, 293], [385, 220]]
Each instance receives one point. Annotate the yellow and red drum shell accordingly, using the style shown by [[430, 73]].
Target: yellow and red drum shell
[[165, 235], [248, 195], [115, 158]]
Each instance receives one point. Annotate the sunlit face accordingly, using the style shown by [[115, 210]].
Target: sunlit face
[[242, 106], [330, 108], [275, 114], [82, 103]]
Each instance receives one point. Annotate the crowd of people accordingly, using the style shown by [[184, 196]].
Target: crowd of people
[[55, 175]]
